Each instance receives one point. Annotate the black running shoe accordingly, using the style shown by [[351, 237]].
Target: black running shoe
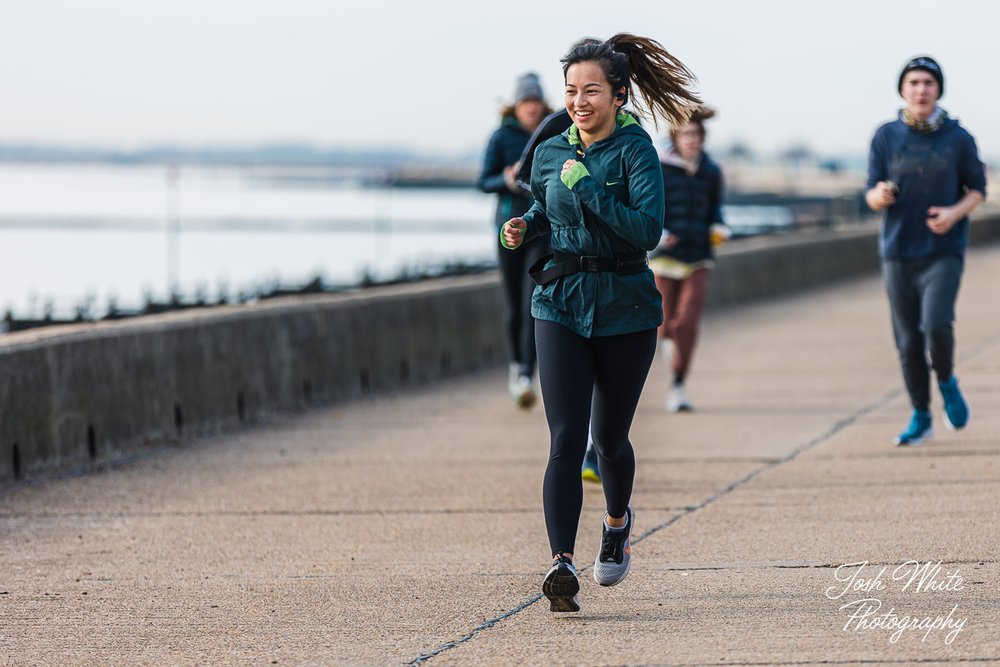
[[561, 586]]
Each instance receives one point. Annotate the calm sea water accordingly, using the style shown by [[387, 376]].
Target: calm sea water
[[101, 234], [75, 234]]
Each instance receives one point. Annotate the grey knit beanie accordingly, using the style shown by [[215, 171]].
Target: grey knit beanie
[[528, 88]]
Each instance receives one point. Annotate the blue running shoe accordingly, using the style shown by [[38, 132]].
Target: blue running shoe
[[591, 472], [956, 410], [918, 430]]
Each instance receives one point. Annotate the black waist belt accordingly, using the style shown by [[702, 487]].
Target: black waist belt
[[568, 264]]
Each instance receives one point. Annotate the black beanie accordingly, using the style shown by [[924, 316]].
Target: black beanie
[[927, 64]]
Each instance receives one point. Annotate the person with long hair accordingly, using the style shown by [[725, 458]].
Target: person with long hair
[[925, 176], [599, 194], [692, 228], [500, 164]]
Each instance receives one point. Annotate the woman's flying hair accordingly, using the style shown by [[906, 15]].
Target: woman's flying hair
[[698, 118], [663, 81]]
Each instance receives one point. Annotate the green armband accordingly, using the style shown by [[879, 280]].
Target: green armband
[[574, 174]]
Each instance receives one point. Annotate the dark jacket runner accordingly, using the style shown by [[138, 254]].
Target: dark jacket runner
[[609, 205]]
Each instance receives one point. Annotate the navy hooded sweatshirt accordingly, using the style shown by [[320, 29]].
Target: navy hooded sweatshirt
[[931, 169]]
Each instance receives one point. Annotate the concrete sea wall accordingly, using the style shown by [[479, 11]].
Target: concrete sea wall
[[72, 398]]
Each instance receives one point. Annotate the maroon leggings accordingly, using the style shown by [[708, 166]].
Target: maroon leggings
[[683, 301]]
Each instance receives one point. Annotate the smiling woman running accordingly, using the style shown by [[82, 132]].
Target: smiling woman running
[[598, 190]]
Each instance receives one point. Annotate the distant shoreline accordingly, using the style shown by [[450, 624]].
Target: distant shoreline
[[277, 155]]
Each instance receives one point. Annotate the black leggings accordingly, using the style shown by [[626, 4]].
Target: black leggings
[[576, 373]]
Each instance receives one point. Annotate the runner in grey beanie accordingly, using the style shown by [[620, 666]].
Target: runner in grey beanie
[[528, 88]]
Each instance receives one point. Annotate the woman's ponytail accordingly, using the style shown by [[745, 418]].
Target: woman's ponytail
[[663, 81]]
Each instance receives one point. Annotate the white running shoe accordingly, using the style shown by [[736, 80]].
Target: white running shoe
[[521, 388], [677, 400], [526, 396]]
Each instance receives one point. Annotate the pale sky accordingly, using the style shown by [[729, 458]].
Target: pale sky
[[430, 76]]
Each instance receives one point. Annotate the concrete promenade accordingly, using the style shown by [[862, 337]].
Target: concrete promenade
[[407, 529]]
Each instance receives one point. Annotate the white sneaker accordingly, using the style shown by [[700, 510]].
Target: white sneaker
[[677, 400], [522, 389]]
